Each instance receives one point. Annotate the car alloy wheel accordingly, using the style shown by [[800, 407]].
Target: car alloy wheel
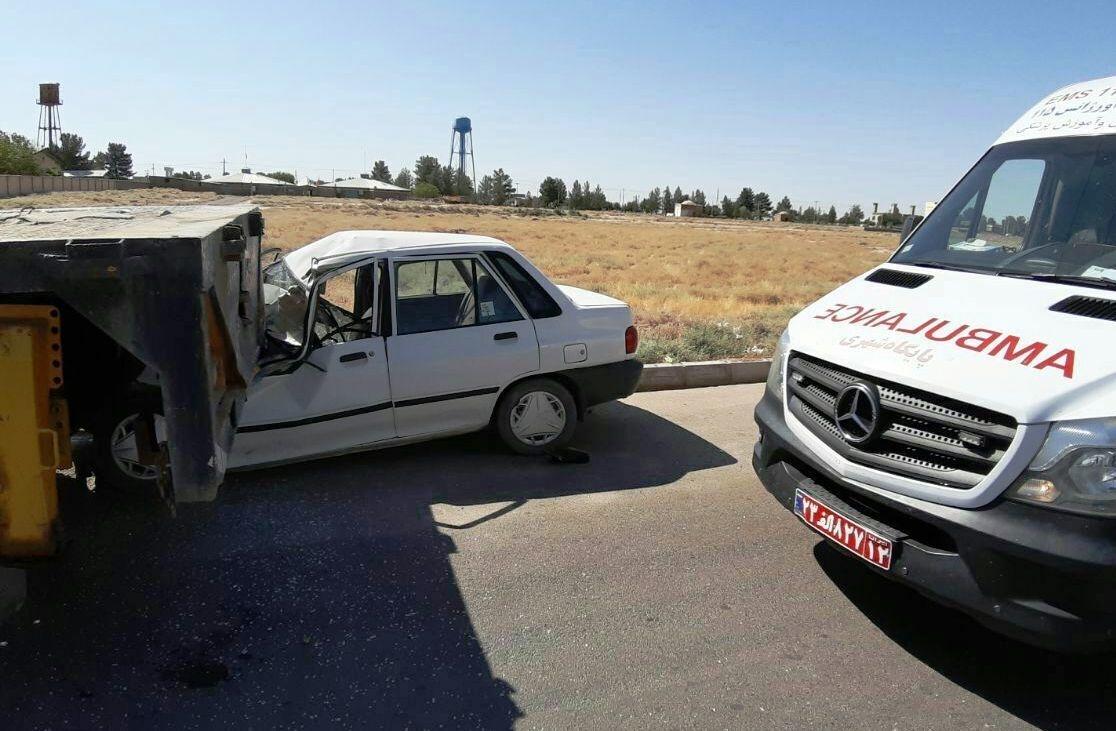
[[538, 418], [125, 450]]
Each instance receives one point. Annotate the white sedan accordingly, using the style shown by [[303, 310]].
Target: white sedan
[[379, 338]]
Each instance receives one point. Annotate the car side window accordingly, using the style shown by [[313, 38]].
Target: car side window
[[531, 294], [346, 308], [442, 294]]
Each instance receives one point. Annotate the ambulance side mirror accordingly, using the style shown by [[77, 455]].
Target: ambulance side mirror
[[908, 226]]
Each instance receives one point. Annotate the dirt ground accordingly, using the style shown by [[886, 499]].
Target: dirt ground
[[699, 288]]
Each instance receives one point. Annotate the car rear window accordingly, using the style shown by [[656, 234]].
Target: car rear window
[[536, 299]]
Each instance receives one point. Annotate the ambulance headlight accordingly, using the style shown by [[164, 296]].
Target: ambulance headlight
[[778, 366], [1075, 470]]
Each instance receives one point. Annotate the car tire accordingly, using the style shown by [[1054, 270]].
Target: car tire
[[536, 416], [115, 473]]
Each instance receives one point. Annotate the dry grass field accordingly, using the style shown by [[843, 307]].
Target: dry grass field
[[699, 288]]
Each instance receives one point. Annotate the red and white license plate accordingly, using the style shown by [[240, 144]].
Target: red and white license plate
[[864, 542]]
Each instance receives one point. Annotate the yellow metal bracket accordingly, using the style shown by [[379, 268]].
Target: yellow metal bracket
[[34, 428]]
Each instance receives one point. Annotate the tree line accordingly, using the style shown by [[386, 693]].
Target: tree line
[[428, 178], [18, 156]]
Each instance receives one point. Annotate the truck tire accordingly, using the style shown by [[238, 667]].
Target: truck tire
[[115, 462], [536, 416]]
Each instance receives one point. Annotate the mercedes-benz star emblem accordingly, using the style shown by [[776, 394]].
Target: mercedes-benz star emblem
[[857, 412]]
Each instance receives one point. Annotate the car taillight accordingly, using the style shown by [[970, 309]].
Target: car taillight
[[631, 339]]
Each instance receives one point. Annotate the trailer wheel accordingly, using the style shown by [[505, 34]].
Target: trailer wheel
[[117, 463], [536, 416]]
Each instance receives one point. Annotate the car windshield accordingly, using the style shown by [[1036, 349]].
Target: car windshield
[[285, 301], [1042, 209]]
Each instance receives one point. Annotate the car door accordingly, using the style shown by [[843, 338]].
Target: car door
[[339, 398], [458, 338]]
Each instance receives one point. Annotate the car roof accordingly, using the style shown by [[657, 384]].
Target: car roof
[[344, 247]]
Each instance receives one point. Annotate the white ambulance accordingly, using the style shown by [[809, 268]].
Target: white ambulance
[[950, 416]]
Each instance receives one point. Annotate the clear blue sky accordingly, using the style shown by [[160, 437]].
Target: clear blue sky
[[836, 102]]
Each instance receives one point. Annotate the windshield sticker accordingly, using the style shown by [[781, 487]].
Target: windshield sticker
[[1100, 273], [488, 309], [974, 245], [998, 344]]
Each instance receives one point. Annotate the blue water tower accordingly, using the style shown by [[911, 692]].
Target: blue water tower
[[461, 145]]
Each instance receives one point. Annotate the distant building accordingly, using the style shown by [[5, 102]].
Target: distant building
[[366, 183], [687, 209], [48, 162], [247, 176], [782, 216], [84, 173]]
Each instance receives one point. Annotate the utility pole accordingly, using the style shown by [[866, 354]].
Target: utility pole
[[223, 171]]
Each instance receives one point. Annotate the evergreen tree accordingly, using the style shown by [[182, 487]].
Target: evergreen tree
[[118, 163], [380, 172], [831, 217], [576, 202], [71, 152], [654, 201], [761, 205], [486, 190], [784, 205], [552, 192], [404, 179], [728, 208], [745, 203], [668, 200], [427, 170], [599, 200], [280, 175], [502, 187], [678, 197]]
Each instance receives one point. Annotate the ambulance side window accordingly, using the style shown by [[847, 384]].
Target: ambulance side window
[[997, 217]]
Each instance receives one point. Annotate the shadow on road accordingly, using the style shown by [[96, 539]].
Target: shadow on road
[[309, 595], [1043, 688]]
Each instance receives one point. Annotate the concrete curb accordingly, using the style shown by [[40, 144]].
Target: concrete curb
[[665, 376]]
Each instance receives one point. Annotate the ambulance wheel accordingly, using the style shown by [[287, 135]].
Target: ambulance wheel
[[536, 416]]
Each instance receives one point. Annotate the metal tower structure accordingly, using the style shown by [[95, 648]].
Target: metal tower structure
[[461, 145], [50, 123]]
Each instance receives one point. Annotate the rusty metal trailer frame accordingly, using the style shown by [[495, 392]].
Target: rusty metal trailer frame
[[137, 291]]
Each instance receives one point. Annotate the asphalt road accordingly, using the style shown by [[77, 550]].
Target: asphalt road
[[453, 585]]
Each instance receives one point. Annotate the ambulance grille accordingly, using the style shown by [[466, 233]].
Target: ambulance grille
[[1095, 307], [921, 435], [897, 278]]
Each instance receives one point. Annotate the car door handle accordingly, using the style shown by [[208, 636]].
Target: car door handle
[[505, 336], [349, 357]]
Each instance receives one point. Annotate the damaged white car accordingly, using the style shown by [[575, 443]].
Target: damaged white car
[[378, 338]]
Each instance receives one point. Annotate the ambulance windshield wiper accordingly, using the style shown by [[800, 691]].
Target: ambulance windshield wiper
[[1062, 279]]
